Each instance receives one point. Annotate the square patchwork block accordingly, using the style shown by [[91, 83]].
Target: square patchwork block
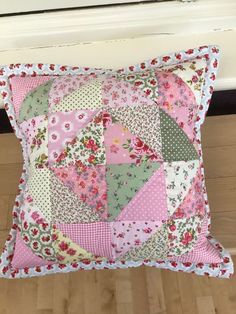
[[113, 170]]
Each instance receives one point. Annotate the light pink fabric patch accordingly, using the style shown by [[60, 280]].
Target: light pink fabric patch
[[63, 127], [21, 86], [130, 234], [203, 251], [29, 211], [94, 237], [30, 128], [64, 85], [177, 99], [116, 93], [193, 203], [88, 183], [150, 201], [123, 147], [24, 257]]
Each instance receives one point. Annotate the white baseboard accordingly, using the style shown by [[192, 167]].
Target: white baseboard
[[124, 35], [109, 23]]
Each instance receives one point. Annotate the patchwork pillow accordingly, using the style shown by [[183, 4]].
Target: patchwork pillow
[[113, 174]]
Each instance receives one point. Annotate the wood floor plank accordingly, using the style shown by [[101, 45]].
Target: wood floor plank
[[11, 152], [188, 300], [223, 228], [124, 298], [220, 162], [222, 194], [231, 288], [14, 292], [205, 305], [11, 203], [107, 289], [172, 293], [44, 293], [201, 286], [222, 303], [76, 293], [219, 131], [60, 293], [139, 290], [18, 300], [3, 296], [4, 199], [29, 287], [156, 297], [10, 176], [3, 237], [91, 289]]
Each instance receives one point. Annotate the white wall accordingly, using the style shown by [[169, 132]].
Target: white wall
[[117, 37]]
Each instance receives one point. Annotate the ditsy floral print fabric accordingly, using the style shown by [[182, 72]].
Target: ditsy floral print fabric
[[113, 167]]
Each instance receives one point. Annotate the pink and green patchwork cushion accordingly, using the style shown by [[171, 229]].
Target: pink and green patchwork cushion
[[113, 174]]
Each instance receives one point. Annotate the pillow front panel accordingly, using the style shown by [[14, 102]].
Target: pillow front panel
[[113, 170]]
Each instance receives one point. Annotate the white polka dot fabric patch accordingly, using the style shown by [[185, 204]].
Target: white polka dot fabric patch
[[88, 96]]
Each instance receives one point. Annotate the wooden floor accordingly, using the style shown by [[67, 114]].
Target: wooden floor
[[133, 291]]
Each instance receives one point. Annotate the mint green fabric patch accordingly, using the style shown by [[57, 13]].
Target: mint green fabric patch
[[123, 182], [36, 102], [176, 145]]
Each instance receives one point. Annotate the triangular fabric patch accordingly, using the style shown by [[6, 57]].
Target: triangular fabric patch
[[88, 183], [154, 247], [30, 130], [124, 147], [24, 256], [88, 96], [150, 201], [66, 205], [181, 104], [183, 234], [143, 121], [193, 203], [118, 93], [180, 176], [146, 81], [130, 234], [63, 127], [86, 148], [203, 251], [93, 237], [65, 85], [123, 182], [176, 145], [36, 102], [21, 86], [30, 212], [67, 251], [39, 190], [192, 73], [38, 237], [38, 157]]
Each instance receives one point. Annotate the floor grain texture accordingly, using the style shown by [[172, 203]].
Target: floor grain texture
[[142, 290]]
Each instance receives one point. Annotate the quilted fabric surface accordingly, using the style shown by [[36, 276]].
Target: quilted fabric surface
[[113, 173]]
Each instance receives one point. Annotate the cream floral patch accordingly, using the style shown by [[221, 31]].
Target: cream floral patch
[[183, 234], [179, 178]]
